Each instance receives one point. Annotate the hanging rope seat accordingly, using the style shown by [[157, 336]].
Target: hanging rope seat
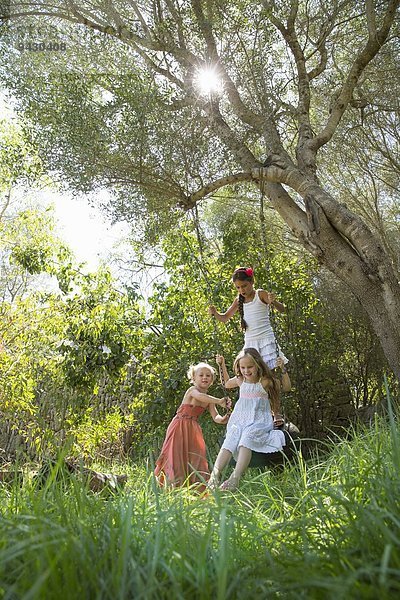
[[258, 459]]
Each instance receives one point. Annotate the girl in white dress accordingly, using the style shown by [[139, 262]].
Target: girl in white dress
[[254, 309], [250, 426]]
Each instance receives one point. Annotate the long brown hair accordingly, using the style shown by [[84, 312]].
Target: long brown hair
[[242, 274], [264, 372]]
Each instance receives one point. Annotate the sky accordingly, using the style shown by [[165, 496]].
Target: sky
[[92, 237], [86, 230]]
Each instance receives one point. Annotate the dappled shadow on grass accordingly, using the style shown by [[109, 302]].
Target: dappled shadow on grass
[[322, 528]]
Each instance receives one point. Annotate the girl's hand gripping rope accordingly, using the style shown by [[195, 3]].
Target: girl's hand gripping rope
[[271, 297], [228, 404]]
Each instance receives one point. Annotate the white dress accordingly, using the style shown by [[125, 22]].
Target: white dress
[[259, 333], [251, 424]]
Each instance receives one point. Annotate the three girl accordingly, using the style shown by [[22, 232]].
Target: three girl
[[250, 426], [183, 454]]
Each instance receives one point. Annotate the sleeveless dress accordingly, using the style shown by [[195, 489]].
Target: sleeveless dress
[[251, 424], [183, 454], [259, 333]]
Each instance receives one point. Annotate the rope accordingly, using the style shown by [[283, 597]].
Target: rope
[[267, 266], [203, 269], [209, 293], [266, 252]]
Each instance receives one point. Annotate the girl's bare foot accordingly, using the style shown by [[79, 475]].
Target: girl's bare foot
[[230, 484], [214, 480]]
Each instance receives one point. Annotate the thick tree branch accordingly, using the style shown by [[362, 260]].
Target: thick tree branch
[[371, 19], [178, 20], [208, 189], [350, 226], [303, 85], [327, 27], [292, 214], [240, 109], [88, 14], [323, 58], [238, 148]]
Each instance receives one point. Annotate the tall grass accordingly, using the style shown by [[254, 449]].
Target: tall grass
[[325, 528]]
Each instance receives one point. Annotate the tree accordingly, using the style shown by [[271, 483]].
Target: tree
[[60, 348], [293, 75]]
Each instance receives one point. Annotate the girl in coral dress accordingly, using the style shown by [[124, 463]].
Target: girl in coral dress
[[183, 454]]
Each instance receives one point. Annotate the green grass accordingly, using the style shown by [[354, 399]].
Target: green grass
[[325, 528]]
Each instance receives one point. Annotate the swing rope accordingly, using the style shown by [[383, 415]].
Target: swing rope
[[267, 266], [203, 269], [209, 293]]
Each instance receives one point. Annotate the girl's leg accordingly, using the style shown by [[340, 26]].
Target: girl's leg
[[223, 458], [243, 461]]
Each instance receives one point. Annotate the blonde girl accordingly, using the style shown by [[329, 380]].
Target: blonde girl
[[251, 426], [183, 454]]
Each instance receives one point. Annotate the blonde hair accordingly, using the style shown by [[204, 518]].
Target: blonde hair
[[263, 370], [201, 365]]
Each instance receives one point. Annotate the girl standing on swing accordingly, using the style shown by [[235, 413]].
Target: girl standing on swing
[[254, 307]]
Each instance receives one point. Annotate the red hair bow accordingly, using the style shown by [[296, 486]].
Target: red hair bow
[[249, 272]]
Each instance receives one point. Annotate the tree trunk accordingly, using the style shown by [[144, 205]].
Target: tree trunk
[[355, 258]]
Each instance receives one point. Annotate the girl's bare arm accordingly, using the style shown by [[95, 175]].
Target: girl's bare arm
[[227, 382], [204, 399], [224, 317], [270, 298], [221, 420]]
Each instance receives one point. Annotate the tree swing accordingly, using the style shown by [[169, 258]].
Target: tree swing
[[258, 459], [290, 431]]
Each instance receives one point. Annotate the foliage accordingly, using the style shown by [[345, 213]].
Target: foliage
[[19, 163], [357, 351], [58, 346], [62, 344], [55, 362], [305, 84], [334, 519], [28, 243], [99, 437], [102, 328]]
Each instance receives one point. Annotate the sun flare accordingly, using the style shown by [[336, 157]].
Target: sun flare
[[208, 81]]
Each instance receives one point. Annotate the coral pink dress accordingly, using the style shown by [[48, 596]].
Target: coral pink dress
[[183, 454]]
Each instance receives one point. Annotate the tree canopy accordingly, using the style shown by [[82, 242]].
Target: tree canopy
[[305, 107]]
